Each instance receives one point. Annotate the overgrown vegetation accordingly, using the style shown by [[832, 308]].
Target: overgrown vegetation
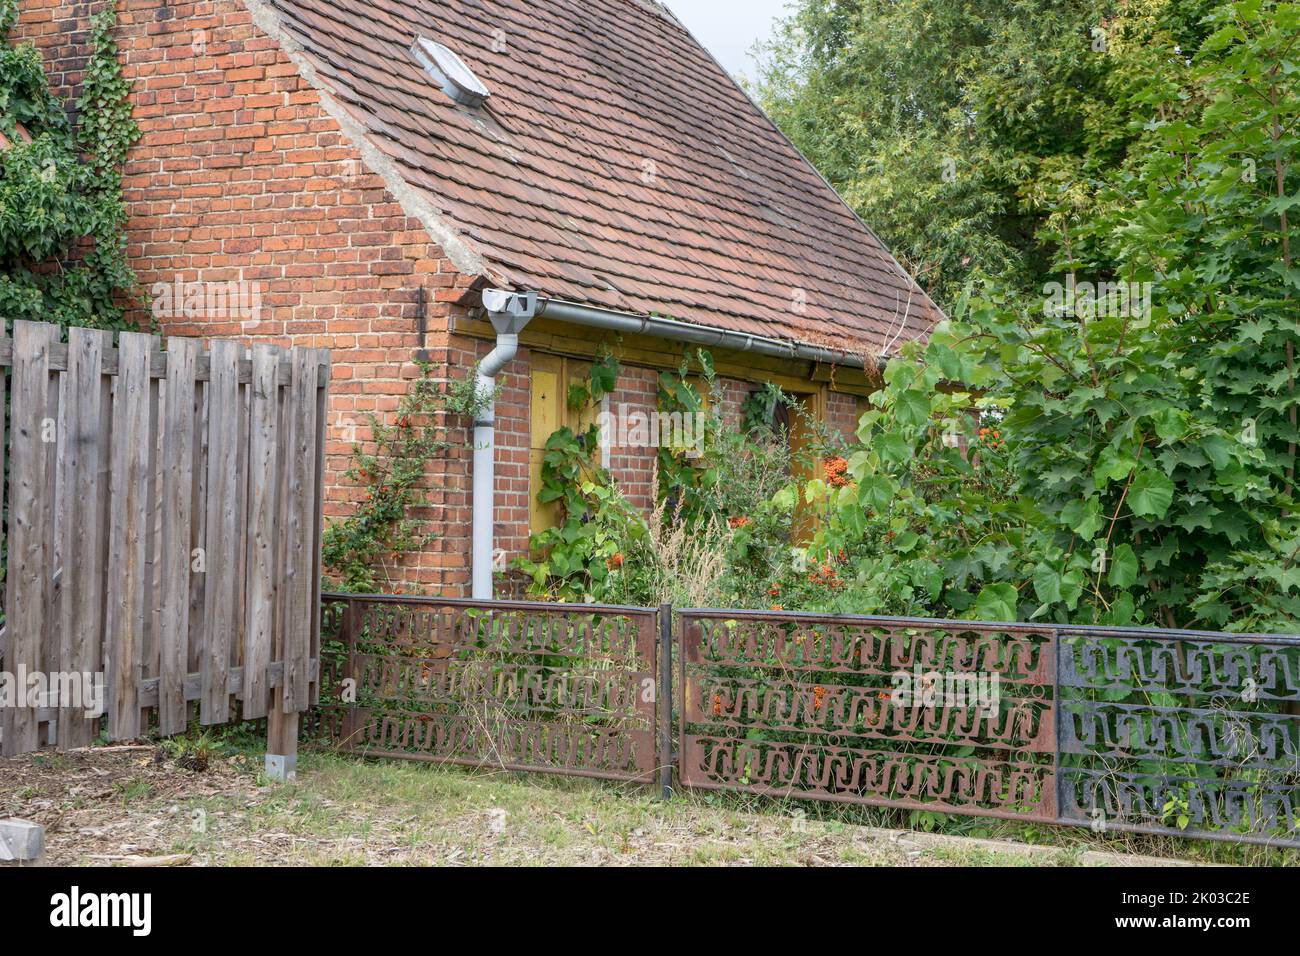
[[1144, 461], [62, 217], [720, 531], [958, 129]]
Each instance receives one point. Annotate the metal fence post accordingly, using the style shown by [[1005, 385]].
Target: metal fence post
[[665, 696], [1058, 783]]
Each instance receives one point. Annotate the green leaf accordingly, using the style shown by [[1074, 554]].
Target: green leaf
[[1111, 466], [913, 407], [1151, 494], [893, 447], [1047, 583], [1123, 567], [906, 541], [996, 602], [876, 492], [1083, 517]]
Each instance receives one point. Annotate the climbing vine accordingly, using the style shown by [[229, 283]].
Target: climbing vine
[[391, 470], [62, 216], [719, 525], [586, 554]]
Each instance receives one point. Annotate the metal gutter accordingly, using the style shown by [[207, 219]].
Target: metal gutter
[[688, 332]]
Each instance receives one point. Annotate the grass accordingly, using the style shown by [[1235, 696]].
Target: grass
[[208, 799]]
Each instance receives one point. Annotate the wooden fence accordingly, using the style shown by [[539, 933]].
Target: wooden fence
[[163, 517]]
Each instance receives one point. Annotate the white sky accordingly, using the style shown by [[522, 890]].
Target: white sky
[[729, 27]]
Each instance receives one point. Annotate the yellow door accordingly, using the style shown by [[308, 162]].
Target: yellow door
[[549, 394], [547, 404]]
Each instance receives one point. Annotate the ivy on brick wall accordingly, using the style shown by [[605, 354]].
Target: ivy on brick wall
[[62, 217]]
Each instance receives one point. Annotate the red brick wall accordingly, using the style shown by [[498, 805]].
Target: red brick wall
[[634, 468], [241, 175], [842, 414]]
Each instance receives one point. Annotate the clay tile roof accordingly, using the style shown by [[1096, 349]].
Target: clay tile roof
[[615, 165]]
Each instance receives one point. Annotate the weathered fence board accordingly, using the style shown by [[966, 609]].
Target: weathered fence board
[[177, 502], [28, 564], [126, 579], [163, 530], [85, 459], [262, 534], [222, 542]]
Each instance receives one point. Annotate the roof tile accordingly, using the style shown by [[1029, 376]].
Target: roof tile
[[615, 164]]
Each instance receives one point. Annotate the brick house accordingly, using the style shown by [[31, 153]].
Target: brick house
[[334, 155]]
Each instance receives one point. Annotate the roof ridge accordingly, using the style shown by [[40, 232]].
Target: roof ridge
[[654, 6]]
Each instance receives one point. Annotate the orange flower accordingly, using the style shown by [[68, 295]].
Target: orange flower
[[739, 521], [615, 562], [717, 705], [777, 607]]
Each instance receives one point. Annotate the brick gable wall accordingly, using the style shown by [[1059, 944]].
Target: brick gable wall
[[241, 175]]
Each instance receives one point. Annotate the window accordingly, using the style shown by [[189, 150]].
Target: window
[[450, 72]]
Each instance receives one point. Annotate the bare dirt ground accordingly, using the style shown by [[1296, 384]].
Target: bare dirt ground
[[172, 805]]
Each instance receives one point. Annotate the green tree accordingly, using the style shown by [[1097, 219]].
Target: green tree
[[955, 128], [1149, 449]]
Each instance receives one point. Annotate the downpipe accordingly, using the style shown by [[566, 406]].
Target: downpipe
[[509, 312]]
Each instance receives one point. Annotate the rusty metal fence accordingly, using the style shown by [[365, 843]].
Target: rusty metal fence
[[795, 705], [1167, 732], [520, 686]]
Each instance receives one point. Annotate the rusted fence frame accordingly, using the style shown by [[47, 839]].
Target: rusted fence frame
[[441, 647], [130, 522]]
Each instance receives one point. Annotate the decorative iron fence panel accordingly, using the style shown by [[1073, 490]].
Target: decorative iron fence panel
[[515, 685], [1167, 732], [1139, 730], [801, 705], [1185, 733]]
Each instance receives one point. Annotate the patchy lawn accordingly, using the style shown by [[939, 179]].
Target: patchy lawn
[[205, 805]]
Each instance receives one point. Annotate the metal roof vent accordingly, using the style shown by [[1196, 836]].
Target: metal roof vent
[[450, 72]]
